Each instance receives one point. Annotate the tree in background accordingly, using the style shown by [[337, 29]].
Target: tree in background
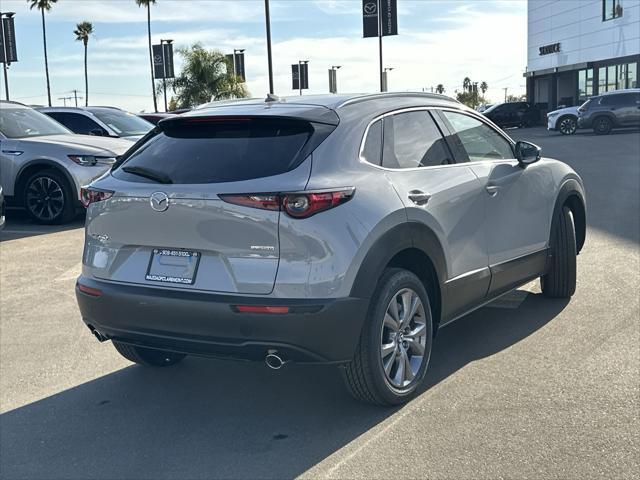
[[173, 105], [516, 98], [471, 99], [204, 78], [484, 87], [440, 88], [44, 5], [83, 31], [147, 4], [466, 84]]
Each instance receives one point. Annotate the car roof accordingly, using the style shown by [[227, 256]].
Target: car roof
[[89, 109], [322, 108], [617, 92], [14, 104], [332, 101]]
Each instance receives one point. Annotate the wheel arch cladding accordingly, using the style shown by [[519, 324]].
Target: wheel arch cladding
[[571, 195], [35, 166], [411, 246]]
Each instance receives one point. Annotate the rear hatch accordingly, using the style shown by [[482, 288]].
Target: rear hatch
[[165, 224]]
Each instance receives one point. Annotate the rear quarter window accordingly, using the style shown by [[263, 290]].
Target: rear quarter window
[[216, 151]]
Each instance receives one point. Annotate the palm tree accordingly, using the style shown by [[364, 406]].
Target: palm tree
[[147, 4], [43, 5], [83, 31], [466, 84], [440, 88], [204, 78], [484, 87]]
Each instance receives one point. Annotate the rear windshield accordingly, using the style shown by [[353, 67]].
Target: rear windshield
[[231, 150]]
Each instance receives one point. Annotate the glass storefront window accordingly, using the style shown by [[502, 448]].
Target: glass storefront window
[[611, 77], [602, 79], [585, 84], [632, 75]]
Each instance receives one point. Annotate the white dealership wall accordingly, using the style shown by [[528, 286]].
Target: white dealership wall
[[577, 25]]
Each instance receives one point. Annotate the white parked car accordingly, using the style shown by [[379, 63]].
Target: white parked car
[[564, 120]]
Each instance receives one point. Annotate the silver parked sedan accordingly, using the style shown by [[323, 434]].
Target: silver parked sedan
[[43, 165]]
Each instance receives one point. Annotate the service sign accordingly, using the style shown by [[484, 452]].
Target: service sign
[[547, 49]]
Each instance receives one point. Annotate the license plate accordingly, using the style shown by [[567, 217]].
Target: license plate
[[173, 266]]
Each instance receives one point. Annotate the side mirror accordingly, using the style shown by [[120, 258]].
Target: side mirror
[[96, 131], [527, 153]]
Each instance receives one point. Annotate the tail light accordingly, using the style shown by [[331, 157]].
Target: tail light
[[296, 205], [90, 195]]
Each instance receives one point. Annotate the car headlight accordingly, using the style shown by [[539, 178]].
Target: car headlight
[[91, 160], [552, 114]]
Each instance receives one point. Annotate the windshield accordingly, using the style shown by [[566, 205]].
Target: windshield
[[26, 122], [123, 123]]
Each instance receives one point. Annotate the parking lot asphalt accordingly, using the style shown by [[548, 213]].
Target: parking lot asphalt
[[525, 388]]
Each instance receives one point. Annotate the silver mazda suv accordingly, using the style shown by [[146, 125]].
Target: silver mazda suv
[[332, 229], [43, 165]]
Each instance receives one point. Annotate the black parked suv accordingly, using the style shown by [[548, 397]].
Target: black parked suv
[[611, 110], [513, 114]]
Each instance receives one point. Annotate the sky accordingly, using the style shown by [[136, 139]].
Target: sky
[[439, 41]]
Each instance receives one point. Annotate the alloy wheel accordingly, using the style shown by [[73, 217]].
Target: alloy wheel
[[568, 126], [404, 338], [45, 198]]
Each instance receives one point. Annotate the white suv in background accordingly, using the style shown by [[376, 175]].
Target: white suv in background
[[43, 165], [100, 121], [564, 120]]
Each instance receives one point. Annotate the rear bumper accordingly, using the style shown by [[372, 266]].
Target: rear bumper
[[315, 331]]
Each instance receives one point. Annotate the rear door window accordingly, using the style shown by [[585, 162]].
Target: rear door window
[[216, 151], [479, 140], [412, 139]]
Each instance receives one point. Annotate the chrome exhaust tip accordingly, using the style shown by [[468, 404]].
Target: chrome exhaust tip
[[274, 361], [97, 334]]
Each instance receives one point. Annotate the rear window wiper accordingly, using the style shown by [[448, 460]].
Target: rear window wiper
[[147, 173]]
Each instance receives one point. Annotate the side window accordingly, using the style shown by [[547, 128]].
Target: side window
[[372, 151], [75, 122], [411, 140], [479, 141]]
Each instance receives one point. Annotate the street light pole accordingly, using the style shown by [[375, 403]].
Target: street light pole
[[4, 52], [268, 21], [385, 82], [335, 68]]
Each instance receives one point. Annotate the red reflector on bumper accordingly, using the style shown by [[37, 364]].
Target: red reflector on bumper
[[94, 292], [261, 309]]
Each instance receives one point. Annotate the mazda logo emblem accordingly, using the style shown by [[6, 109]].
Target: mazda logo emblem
[[370, 8], [159, 201]]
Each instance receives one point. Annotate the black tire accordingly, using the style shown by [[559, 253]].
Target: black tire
[[147, 356], [48, 198], [602, 125], [567, 125], [365, 375], [560, 280]]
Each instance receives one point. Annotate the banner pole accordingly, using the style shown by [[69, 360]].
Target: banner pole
[[379, 2]]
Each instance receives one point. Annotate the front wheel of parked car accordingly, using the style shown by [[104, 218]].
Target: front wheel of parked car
[[602, 125], [560, 280], [567, 125], [393, 354], [48, 198], [147, 356]]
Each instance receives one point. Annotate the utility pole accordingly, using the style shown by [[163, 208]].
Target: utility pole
[[268, 22], [505, 94], [75, 96], [64, 99]]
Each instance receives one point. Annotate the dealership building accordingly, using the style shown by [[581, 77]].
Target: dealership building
[[580, 48]]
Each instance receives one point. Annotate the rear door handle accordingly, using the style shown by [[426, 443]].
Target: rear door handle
[[492, 190], [418, 197]]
